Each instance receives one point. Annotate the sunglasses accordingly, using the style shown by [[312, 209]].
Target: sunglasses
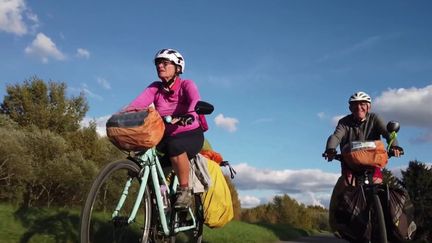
[[164, 62]]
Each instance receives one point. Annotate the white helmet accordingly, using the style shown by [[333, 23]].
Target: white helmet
[[172, 55], [360, 96]]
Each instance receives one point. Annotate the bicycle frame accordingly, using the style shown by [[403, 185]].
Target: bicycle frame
[[371, 192], [151, 168]]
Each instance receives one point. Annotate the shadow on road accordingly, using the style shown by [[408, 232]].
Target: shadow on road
[[317, 239]]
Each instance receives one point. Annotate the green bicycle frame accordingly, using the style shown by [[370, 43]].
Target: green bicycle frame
[[151, 166]]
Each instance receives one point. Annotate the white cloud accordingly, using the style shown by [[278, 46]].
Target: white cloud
[[13, 14], [83, 53], [91, 94], [84, 88], [100, 124], [315, 199], [104, 83], [410, 106], [307, 186], [284, 181], [227, 123], [249, 201], [321, 115], [44, 48]]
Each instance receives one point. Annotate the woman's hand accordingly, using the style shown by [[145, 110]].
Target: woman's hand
[[396, 151]]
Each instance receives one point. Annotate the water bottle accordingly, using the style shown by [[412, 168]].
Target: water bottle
[[164, 194]]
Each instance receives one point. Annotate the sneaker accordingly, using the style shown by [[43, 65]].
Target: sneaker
[[183, 198]]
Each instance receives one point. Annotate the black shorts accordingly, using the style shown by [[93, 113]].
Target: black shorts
[[190, 142]]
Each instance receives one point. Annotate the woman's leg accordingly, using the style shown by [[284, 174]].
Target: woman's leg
[[181, 167], [180, 164], [180, 148]]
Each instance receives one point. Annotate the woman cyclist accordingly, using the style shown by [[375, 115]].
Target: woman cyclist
[[173, 96], [360, 125]]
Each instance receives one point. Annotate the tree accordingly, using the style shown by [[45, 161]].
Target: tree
[[319, 217], [288, 210], [234, 198], [46, 158], [94, 148], [417, 179], [390, 179], [14, 161], [46, 106]]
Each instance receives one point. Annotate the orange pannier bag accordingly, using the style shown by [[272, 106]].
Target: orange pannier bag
[[369, 153], [135, 130], [212, 155]]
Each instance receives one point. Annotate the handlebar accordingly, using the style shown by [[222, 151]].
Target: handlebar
[[389, 153], [182, 120], [336, 156]]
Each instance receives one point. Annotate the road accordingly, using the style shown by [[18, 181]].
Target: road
[[317, 239]]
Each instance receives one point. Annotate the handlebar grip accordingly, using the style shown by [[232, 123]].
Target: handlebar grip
[[168, 119]]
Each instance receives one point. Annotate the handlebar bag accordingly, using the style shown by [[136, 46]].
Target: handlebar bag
[[135, 130], [369, 153]]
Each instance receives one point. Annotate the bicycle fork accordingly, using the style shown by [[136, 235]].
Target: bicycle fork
[[138, 200]]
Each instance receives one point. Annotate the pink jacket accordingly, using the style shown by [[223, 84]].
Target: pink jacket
[[179, 100]]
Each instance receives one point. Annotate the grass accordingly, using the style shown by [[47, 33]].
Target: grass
[[34, 225], [237, 231], [11, 230]]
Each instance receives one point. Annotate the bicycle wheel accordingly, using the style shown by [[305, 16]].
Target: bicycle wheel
[[197, 233], [379, 226], [97, 223]]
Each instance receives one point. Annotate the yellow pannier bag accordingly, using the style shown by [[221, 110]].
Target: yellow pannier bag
[[218, 207]]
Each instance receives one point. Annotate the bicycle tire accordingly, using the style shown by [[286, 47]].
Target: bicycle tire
[[95, 229], [380, 220], [197, 233]]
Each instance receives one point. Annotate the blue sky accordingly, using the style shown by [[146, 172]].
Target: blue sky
[[279, 72]]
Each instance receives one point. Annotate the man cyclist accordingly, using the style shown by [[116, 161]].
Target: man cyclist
[[360, 125], [173, 96]]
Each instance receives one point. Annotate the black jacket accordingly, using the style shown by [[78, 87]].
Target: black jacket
[[348, 130]]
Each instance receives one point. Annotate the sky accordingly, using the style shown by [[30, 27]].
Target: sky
[[279, 73]]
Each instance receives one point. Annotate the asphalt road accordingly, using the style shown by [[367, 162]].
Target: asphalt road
[[317, 239]]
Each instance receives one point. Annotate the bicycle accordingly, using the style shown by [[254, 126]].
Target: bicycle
[[372, 194], [130, 201]]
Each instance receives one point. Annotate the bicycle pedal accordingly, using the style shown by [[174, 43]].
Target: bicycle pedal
[[181, 210]]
